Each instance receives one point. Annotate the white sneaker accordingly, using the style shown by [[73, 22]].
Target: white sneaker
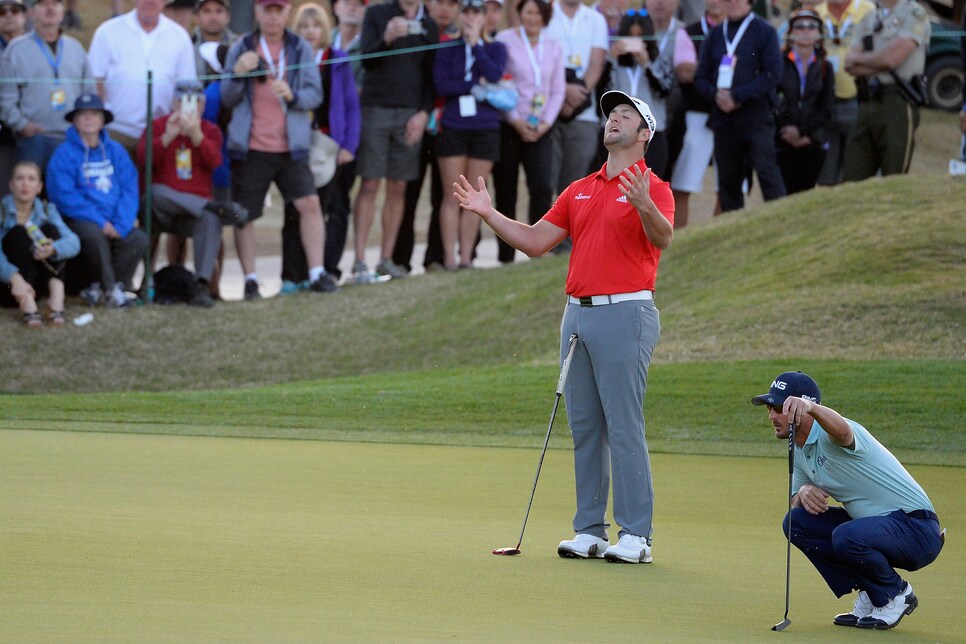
[[630, 549], [861, 608], [888, 616], [583, 546]]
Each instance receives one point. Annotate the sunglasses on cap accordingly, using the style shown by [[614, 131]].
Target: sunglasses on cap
[[807, 25], [636, 12]]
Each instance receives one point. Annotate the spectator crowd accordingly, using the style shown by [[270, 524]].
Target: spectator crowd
[[247, 93]]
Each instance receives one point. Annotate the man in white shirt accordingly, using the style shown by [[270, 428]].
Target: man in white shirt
[[123, 50], [582, 33]]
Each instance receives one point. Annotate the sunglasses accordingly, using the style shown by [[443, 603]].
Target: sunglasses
[[10, 11], [637, 12], [805, 26]]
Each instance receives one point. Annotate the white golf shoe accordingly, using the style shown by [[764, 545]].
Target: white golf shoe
[[583, 546], [888, 616], [861, 608], [630, 549]]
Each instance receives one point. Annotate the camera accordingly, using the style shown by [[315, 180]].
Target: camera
[[414, 28]]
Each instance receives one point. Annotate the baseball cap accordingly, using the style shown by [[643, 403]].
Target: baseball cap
[[13, 3], [89, 102], [180, 4], [272, 3], [791, 384], [472, 4], [613, 98], [187, 88], [200, 3]]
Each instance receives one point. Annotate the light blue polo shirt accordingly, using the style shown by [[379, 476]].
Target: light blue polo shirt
[[868, 480]]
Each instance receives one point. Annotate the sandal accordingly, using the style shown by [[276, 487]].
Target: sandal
[[56, 318], [33, 320]]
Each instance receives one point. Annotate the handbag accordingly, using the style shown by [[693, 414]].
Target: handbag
[[322, 157]]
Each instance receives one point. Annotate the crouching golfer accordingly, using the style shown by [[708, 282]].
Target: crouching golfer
[[887, 521], [620, 219]]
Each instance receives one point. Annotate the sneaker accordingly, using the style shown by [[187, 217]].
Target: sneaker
[[201, 296], [361, 274], [92, 295], [861, 608], [117, 298], [289, 287], [390, 268], [251, 290], [629, 549], [583, 546], [888, 616], [325, 284]]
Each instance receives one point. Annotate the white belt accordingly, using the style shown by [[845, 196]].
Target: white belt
[[600, 300]]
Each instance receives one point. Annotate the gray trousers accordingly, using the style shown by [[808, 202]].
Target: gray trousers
[[574, 146], [108, 260], [183, 213], [604, 393]]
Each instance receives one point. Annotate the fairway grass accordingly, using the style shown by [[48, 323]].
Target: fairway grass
[[121, 537]]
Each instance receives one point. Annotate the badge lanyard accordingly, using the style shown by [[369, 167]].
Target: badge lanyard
[[534, 60], [732, 45], [570, 30], [634, 76], [54, 62], [278, 70], [838, 33], [470, 59], [705, 28], [667, 36]]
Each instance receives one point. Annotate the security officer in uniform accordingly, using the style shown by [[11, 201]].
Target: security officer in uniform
[[888, 53]]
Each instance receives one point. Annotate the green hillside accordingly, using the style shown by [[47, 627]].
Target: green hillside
[[869, 271]]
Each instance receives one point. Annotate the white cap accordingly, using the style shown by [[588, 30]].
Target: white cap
[[613, 98]]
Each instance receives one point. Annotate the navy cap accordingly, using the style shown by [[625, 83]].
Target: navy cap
[[89, 102], [791, 384]]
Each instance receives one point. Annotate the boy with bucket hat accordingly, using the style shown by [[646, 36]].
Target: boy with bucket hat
[[94, 184]]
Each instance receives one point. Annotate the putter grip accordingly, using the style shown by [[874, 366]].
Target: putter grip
[[565, 367], [791, 448]]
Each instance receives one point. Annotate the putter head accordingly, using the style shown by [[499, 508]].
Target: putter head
[[509, 552], [782, 625]]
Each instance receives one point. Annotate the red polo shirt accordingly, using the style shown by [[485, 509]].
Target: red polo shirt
[[611, 253], [195, 179]]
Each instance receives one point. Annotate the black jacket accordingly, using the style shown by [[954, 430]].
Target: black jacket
[[813, 109]]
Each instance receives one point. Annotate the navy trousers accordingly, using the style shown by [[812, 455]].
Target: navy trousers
[[863, 553]]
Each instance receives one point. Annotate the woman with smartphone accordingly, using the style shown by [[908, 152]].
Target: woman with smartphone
[[35, 245]]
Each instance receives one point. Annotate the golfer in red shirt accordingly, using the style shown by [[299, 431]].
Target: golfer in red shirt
[[620, 219]]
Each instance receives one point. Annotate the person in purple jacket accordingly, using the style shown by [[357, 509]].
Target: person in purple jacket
[[469, 142], [339, 117]]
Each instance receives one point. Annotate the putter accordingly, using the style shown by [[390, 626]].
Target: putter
[[782, 625], [564, 368]]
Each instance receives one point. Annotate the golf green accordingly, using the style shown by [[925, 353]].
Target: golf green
[[108, 537]]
